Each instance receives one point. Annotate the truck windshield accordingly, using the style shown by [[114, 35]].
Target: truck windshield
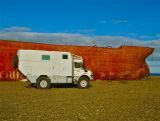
[[79, 65]]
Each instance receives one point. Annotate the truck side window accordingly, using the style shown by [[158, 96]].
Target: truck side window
[[78, 65], [45, 57], [64, 56]]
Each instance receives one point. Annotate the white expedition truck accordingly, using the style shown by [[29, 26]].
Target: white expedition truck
[[45, 67]]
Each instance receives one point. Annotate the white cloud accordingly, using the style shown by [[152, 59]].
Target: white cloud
[[79, 39], [16, 29], [148, 37], [144, 37], [83, 31], [52, 38], [116, 21]]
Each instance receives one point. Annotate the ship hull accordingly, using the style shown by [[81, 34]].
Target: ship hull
[[123, 63]]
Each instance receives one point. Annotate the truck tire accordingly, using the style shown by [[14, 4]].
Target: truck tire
[[43, 83], [83, 82]]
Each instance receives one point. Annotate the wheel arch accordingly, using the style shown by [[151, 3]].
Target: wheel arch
[[84, 76], [43, 76]]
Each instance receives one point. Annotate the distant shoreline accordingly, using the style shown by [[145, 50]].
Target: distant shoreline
[[154, 74]]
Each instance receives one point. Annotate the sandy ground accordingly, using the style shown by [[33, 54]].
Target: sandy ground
[[104, 101]]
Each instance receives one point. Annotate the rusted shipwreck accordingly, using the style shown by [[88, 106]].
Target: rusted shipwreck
[[122, 63]]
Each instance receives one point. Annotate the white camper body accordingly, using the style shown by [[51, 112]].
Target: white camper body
[[46, 67]]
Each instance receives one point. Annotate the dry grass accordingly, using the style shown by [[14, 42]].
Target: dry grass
[[104, 101]]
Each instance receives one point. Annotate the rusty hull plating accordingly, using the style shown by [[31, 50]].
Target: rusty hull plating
[[123, 63]]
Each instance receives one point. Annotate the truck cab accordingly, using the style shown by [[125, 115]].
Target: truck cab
[[43, 68], [80, 71]]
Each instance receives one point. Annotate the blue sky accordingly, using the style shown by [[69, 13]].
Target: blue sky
[[139, 19], [83, 22]]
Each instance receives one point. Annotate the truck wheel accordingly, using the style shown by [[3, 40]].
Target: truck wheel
[[83, 82], [43, 83]]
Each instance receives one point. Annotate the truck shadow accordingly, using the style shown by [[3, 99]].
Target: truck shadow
[[55, 86], [63, 86]]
